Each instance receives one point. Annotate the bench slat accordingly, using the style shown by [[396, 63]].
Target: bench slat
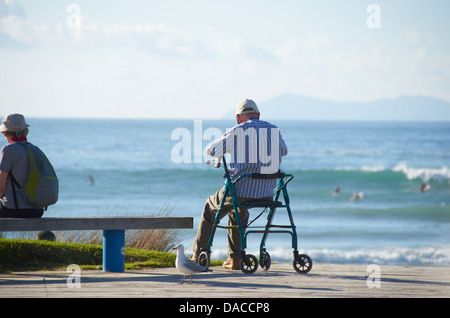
[[95, 223]]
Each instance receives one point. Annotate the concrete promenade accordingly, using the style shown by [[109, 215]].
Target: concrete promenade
[[281, 281]]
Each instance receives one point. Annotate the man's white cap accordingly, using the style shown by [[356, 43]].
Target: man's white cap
[[246, 106], [13, 122]]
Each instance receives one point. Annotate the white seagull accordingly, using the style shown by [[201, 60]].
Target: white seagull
[[185, 265]]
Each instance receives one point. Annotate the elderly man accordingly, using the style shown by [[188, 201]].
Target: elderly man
[[255, 146]]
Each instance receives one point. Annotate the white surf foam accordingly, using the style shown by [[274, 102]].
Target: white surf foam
[[425, 174], [408, 256]]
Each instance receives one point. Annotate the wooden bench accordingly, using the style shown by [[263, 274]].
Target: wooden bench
[[113, 231]]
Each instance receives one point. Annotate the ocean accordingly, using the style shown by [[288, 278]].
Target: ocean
[[112, 167]]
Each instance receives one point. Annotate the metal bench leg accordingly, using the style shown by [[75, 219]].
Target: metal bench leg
[[114, 251]]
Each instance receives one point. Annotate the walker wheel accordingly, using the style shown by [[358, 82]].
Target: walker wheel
[[266, 261], [302, 264], [204, 259], [249, 264]]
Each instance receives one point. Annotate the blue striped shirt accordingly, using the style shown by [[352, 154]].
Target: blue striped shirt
[[254, 146]]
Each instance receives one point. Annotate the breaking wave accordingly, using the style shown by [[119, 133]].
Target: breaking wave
[[411, 256], [424, 174]]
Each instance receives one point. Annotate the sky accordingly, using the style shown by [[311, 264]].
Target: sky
[[198, 59]]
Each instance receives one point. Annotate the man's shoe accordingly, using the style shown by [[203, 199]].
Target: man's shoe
[[232, 263]]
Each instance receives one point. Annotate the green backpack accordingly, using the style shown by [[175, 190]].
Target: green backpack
[[41, 187]]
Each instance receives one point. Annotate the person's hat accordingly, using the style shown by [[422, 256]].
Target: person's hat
[[13, 122], [247, 106]]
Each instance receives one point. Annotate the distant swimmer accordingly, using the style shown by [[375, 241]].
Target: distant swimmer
[[357, 196], [91, 179], [336, 191], [425, 187]]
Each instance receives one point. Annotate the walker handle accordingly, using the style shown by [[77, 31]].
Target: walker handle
[[214, 162]]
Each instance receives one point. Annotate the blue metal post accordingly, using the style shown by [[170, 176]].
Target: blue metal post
[[114, 251]]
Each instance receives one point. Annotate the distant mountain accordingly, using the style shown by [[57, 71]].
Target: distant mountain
[[406, 108]]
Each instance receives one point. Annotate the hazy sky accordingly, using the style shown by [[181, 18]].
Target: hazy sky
[[198, 59]]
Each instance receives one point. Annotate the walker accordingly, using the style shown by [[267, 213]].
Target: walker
[[248, 263]]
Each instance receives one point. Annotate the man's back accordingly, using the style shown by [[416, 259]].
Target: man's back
[[254, 146]]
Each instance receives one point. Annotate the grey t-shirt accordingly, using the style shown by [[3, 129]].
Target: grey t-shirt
[[14, 159]]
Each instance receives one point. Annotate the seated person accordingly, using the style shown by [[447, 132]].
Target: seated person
[[14, 160], [249, 144]]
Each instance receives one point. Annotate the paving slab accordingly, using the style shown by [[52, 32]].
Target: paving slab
[[281, 281]]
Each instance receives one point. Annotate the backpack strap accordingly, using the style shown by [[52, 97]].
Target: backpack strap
[[14, 183]]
